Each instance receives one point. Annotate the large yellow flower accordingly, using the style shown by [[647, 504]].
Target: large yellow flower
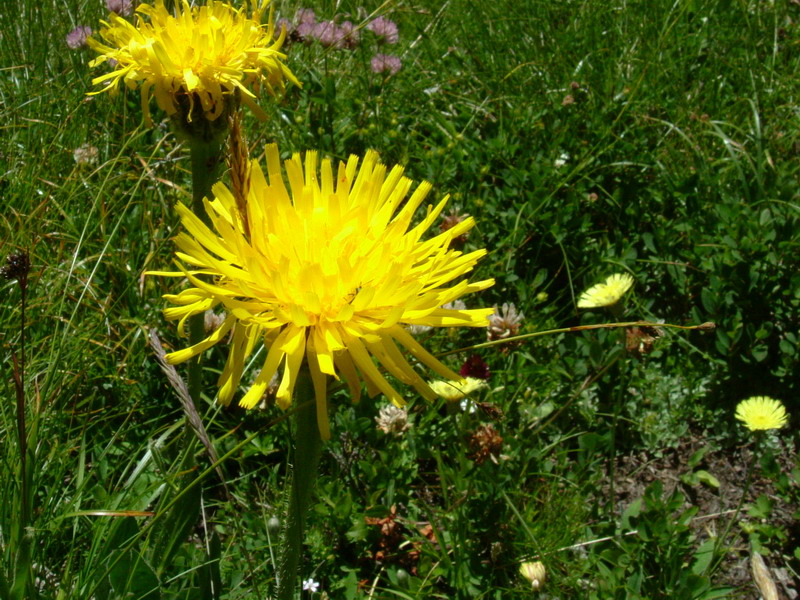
[[761, 413], [332, 271], [205, 52]]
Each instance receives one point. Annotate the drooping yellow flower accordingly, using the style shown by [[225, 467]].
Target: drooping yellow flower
[[761, 413], [607, 293], [204, 52], [332, 272], [457, 390]]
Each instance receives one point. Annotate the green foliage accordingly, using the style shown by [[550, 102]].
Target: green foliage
[[655, 554]]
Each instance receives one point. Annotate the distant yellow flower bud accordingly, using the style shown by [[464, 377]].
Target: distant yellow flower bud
[[533, 572]]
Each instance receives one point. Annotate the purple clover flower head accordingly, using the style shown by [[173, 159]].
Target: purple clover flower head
[[78, 36], [305, 15], [306, 20], [124, 8], [282, 23], [385, 29], [305, 30], [348, 34], [326, 33], [298, 29], [383, 63]]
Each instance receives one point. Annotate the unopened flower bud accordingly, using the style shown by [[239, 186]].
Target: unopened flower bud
[[403, 578], [274, 525], [533, 572]]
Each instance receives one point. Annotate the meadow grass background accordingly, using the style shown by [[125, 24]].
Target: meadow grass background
[[587, 138]]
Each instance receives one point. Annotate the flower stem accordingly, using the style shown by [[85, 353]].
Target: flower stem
[[620, 388], [720, 541], [307, 453], [206, 157], [23, 542]]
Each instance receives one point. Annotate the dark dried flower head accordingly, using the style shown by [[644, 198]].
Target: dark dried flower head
[[17, 267], [78, 36], [385, 29], [641, 340], [505, 322], [475, 366], [385, 63], [449, 221], [485, 443]]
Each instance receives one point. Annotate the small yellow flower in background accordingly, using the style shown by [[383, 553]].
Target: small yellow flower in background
[[761, 413], [457, 390], [332, 271], [203, 53], [607, 293], [533, 572]]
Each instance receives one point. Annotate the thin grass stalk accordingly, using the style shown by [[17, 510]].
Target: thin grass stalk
[[720, 541], [612, 452]]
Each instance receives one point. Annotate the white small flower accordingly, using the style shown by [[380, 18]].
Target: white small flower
[[457, 305], [505, 322], [86, 154], [310, 585], [417, 330], [392, 419], [561, 160]]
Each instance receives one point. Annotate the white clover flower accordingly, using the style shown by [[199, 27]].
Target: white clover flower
[[393, 420], [505, 322]]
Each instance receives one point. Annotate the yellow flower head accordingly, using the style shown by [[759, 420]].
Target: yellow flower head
[[204, 52], [761, 412], [607, 293], [331, 271], [457, 390]]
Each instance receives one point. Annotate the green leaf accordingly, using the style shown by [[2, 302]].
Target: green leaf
[[707, 478], [697, 457], [176, 525], [132, 577], [3, 585], [760, 352], [23, 568], [761, 508], [631, 512], [210, 579], [703, 557]]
